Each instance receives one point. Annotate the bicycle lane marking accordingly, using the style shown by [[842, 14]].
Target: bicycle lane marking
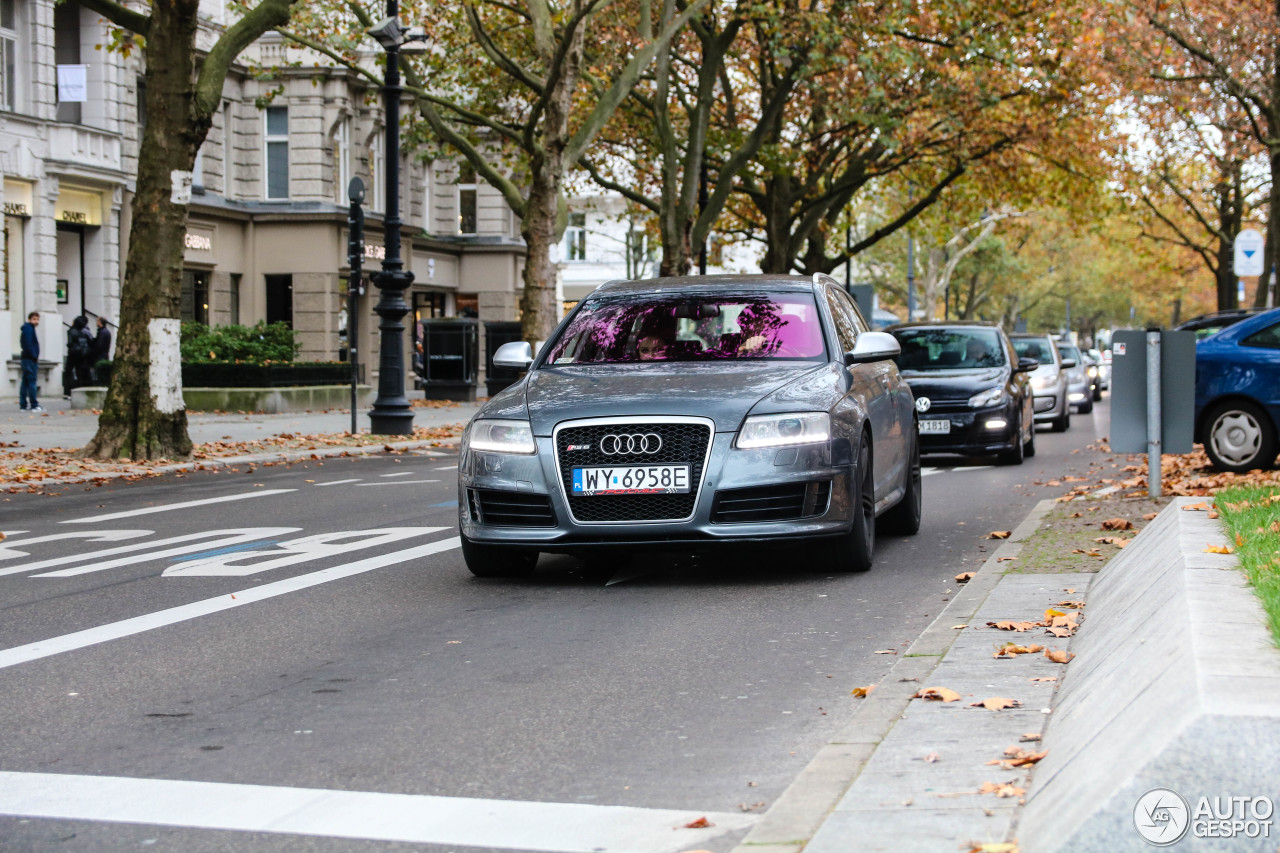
[[194, 610], [111, 516]]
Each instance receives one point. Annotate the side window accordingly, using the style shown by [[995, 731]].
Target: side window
[[846, 319], [1268, 337], [859, 322]]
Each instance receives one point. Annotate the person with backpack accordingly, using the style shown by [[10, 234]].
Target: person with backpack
[[79, 346]]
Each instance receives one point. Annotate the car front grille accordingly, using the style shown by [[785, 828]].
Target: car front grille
[[510, 509], [771, 503], [683, 443]]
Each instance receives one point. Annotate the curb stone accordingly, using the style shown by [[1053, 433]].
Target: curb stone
[[796, 817], [248, 459]]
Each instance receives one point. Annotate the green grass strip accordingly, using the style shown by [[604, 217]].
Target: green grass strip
[[1252, 516]]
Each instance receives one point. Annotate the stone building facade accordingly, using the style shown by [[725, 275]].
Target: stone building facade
[[267, 232]]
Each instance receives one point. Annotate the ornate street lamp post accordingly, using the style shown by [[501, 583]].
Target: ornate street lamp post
[[391, 414]]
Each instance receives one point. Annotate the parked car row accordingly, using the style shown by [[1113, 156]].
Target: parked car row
[[1238, 392]]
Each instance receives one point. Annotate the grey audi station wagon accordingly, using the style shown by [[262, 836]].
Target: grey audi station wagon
[[683, 414]]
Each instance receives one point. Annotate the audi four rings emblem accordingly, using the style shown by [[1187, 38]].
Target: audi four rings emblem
[[614, 445]]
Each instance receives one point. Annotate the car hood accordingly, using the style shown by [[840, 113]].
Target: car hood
[[724, 392], [952, 384]]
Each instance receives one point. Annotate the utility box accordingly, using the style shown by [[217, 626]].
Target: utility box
[[1129, 391], [448, 362]]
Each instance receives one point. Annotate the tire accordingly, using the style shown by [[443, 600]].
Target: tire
[[853, 551], [1063, 423], [1238, 436], [1086, 408], [904, 518], [495, 561], [1016, 454], [1097, 393], [1029, 449]]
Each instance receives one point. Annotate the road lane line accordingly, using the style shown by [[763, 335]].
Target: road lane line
[[399, 474], [925, 472], [446, 468], [413, 818], [10, 552], [340, 482], [196, 609], [111, 516], [399, 483]]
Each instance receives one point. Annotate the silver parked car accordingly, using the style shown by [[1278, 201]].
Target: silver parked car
[[1079, 383], [694, 413], [1048, 381]]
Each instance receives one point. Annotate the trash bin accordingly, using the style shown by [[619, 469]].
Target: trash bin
[[447, 364]]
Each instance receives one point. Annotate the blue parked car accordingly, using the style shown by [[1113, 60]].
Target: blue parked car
[[1238, 393]]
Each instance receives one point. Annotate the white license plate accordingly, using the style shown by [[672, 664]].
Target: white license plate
[[631, 480], [936, 426]]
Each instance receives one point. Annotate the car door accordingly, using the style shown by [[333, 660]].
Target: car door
[[1262, 351], [879, 385]]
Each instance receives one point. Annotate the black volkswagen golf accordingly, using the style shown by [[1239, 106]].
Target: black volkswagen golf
[[971, 389]]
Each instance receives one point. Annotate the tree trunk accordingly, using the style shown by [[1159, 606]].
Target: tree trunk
[[1273, 224], [144, 416], [1228, 296], [538, 226]]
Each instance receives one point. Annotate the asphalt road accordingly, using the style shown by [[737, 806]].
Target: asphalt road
[[157, 634]]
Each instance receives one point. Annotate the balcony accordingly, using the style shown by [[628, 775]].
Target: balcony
[[85, 146]]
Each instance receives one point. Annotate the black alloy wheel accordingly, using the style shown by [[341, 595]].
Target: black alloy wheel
[[853, 551], [495, 561], [905, 516], [1015, 454]]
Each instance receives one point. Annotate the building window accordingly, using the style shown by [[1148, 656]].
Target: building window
[[426, 198], [228, 152], [377, 188], [66, 51], [9, 63], [575, 238], [467, 199], [280, 299], [276, 121], [233, 298], [197, 172], [194, 307], [342, 160], [142, 107]]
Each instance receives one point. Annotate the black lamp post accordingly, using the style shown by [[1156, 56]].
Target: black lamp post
[[391, 414]]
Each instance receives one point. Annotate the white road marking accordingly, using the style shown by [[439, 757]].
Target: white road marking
[[295, 551], [340, 482], [196, 609], [399, 474], [413, 818], [195, 542], [14, 532], [446, 468], [925, 472], [398, 483], [91, 535], [184, 505]]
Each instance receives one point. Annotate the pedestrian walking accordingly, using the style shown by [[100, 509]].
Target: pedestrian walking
[[30, 364], [101, 350], [79, 346]]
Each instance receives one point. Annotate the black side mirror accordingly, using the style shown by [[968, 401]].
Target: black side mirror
[[1026, 365]]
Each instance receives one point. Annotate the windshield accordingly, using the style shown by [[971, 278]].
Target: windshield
[[949, 349], [1038, 348], [691, 327], [1070, 352]]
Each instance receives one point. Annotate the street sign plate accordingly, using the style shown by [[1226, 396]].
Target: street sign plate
[[1249, 251]]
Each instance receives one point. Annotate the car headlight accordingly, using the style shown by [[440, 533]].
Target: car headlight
[[1093, 371], [1040, 383], [501, 436], [989, 397], [782, 430]]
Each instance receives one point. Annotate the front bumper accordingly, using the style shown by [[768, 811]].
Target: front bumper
[[1049, 405], [969, 432], [820, 470]]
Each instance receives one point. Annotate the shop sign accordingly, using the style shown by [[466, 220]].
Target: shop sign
[[198, 242], [79, 207], [377, 253], [17, 198]]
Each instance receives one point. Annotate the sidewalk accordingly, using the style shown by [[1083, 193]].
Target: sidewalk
[[37, 450]]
